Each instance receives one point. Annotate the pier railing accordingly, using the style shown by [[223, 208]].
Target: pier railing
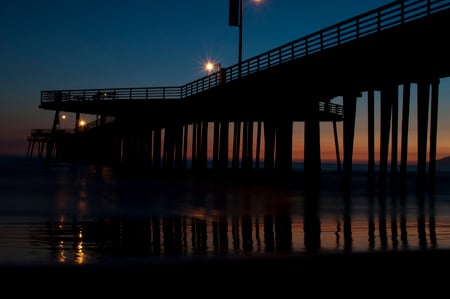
[[140, 93], [385, 17]]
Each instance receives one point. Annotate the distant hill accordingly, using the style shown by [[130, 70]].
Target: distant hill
[[443, 163]]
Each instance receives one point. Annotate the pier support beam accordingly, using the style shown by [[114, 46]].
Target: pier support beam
[[173, 146], [423, 100], [433, 134], [156, 163], [394, 138], [336, 145], [236, 144], [269, 145], [51, 140], [371, 138], [216, 145], [194, 144], [204, 145], [387, 97], [404, 141], [312, 163], [349, 102], [247, 145], [223, 146], [179, 146], [185, 145], [200, 146], [258, 145], [220, 145], [284, 147]]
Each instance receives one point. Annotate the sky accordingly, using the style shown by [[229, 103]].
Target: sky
[[81, 44]]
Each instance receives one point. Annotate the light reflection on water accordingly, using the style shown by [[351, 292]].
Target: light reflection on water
[[57, 216]]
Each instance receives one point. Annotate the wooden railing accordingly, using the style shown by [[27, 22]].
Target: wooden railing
[[143, 93], [385, 17]]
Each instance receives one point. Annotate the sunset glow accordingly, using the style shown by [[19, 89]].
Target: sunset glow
[[164, 64]]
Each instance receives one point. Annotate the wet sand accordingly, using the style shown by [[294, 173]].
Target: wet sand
[[358, 275]]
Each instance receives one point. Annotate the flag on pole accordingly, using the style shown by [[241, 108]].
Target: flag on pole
[[233, 17]]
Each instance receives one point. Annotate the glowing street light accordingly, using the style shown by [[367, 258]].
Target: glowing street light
[[209, 66]]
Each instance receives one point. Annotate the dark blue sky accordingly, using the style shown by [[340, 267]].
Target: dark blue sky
[[78, 44]]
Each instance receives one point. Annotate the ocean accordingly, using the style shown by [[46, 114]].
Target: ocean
[[58, 215], [82, 232]]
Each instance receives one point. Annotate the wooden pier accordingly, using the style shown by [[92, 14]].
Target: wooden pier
[[242, 117]]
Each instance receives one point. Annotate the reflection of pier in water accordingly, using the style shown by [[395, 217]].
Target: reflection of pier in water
[[376, 229]]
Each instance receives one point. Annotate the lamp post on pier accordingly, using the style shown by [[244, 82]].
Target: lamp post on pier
[[236, 18], [241, 17], [209, 67]]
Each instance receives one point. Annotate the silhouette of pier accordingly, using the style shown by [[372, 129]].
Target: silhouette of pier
[[242, 116]]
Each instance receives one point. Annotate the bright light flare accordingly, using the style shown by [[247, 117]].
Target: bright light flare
[[209, 66]]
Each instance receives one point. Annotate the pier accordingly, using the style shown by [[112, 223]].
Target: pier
[[242, 116]]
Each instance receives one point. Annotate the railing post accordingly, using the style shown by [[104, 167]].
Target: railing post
[[292, 52], [306, 46], [357, 28], [402, 12], [339, 35], [321, 40], [378, 21]]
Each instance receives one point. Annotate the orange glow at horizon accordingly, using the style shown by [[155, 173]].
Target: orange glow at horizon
[[328, 150]]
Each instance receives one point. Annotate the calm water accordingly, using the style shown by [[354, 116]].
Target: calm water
[[58, 216]]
